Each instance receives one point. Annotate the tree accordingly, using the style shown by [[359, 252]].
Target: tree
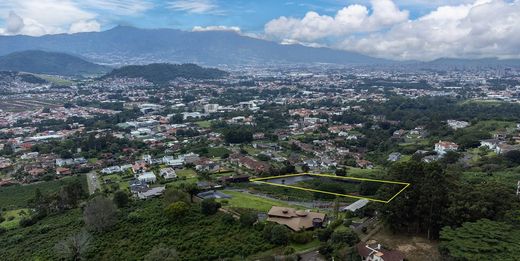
[[344, 235], [100, 214], [74, 247], [248, 219], [191, 189], [209, 206], [172, 195], [162, 253], [481, 240], [177, 210], [513, 156], [341, 172], [276, 234], [121, 199]]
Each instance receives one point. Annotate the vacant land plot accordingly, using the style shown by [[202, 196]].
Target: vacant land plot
[[24, 105], [250, 201], [415, 248]]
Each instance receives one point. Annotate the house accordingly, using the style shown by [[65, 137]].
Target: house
[[296, 220], [151, 192], [190, 158], [491, 144], [394, 156], [442, 147], [234, 179], [252, 164], [505, 148], [137, 186], [139, 166], [364, 164], [110, 170], [172, 162], [147, 177], [168, 173], [454, 124], [63, 171], [376, 252]]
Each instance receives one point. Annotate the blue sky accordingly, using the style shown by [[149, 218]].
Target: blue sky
[[397, 29]]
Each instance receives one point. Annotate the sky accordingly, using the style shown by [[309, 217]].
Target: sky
[[401, 30]]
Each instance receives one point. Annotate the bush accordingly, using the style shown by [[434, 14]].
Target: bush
[[209, 207], [324, 234], [344, 235], [121, 199], [27, 221], [2, 230], [248, 219], [177, 210], [301, 237], [135, 217]]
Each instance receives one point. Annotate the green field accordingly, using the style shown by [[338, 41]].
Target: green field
[[203, 124], [15, 197], [13, 217], [249, 201], [218, 152]]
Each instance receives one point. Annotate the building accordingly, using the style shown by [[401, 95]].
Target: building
[[376, 252], [168, 173], [296, 220], [355, 206], [442, 147], [491, 144], [210, 108], [454, 124], [147, 177], [394, 156]]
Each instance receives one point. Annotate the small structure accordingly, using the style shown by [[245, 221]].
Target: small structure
[[376, 252], [394, 156], [212, 194], [355, 206], [151, 192], [296, 220]]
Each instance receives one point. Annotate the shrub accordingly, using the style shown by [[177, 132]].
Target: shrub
[[209, 207], [177, 210]]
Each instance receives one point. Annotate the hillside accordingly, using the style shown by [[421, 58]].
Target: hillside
[[49, 63], [125, 45], [160, 73]]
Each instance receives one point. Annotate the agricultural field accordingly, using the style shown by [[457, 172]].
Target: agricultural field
[[15, 197], [13, 217]]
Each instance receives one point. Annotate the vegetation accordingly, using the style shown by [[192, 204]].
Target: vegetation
[[162, 73]]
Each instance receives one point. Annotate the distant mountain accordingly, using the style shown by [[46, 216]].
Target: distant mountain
[[49, 63], [473, 63], [160, 73], [128, 45], [26, 77]]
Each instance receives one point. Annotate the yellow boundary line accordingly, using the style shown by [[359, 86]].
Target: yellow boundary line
[[261, 180]]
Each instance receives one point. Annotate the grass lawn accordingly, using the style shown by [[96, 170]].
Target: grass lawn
[[203, 124], [508, 177], [15, 197], [249, 201], [358, 172], [188, 173], [218, 152], [16, 216]]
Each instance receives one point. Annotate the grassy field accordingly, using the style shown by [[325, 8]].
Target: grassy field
[[218, 152], [203, 124], [508, 177], [249, 201], [13, 217], [15, 197]]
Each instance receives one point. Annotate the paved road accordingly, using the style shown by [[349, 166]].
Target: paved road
[[93, 182]]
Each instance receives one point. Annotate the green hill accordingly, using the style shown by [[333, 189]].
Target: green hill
[[161, 73], [49, 63]]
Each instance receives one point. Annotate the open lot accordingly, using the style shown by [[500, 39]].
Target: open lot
[[415, 248], [250, 201]]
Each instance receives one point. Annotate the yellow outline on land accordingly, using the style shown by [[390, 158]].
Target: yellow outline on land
[[260, 180]]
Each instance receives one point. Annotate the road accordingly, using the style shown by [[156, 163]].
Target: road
[[93, 182]]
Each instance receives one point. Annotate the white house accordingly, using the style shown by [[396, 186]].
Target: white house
[[111, 170], [147, 177], [442, 147], [491, 144]]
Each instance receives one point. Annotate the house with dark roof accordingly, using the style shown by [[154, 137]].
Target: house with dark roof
[[296, 220]]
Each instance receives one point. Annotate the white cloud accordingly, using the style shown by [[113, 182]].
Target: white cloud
[[119, 7], [350, 19], [85, 26], [14, 23], [484, 28], [195, 6], [216, 28]]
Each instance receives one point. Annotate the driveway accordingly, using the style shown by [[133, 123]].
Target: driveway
[[93, 182]]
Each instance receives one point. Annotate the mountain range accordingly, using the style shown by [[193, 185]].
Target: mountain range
[[124, 45]]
